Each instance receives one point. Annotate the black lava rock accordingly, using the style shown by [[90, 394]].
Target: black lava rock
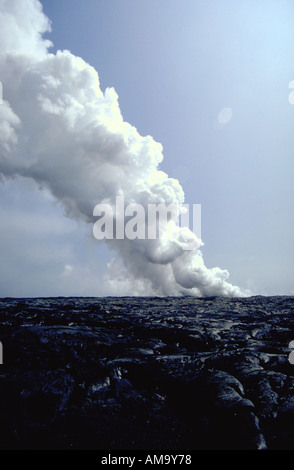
[[147, 373]]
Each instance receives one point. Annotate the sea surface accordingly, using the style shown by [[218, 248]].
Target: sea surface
[[147, 373]]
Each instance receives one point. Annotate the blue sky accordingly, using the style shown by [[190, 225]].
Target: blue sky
[[209, 81]]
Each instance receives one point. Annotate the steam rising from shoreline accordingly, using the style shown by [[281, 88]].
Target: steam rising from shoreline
[[58, 128]]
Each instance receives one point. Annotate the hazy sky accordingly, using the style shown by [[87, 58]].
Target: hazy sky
[[209, 80]]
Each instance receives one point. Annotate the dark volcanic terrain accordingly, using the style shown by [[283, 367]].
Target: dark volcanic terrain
[[147, 373]]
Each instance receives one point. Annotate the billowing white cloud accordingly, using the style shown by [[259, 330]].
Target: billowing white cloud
[[58, 128], [22, 26]]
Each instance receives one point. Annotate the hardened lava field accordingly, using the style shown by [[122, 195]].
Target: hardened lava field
[[147, 373]]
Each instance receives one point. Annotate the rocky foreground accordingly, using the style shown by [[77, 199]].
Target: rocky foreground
[[147, 373]]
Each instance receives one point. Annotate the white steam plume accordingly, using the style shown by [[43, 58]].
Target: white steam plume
[[58, 128]]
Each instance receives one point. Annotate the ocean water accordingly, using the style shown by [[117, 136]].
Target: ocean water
[[147, 373]]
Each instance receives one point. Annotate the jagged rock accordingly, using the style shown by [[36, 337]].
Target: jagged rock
[[146, 373]]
